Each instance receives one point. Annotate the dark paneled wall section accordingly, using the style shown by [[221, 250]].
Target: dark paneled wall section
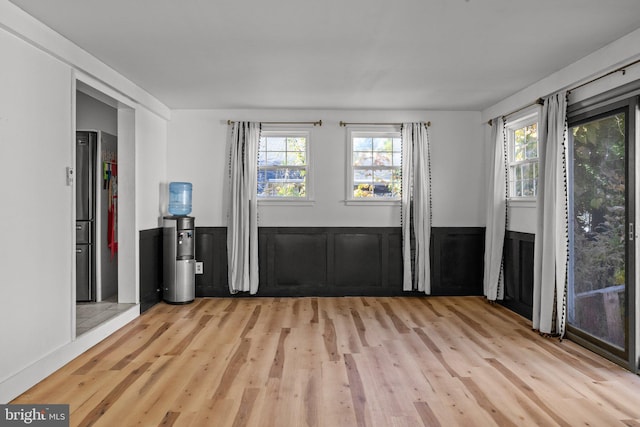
[[327, 261], [518, 272], [330, 261], [150, 268]]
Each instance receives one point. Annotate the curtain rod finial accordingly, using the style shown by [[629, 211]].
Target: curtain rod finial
[[428, 124], [229, 122], [318, 123], [490, 122], [343, 124]]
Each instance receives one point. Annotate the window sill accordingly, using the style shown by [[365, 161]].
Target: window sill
[[375, 202], [286, 202], [522, 202]]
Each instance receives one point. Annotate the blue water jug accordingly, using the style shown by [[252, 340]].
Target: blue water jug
[[180, 198]]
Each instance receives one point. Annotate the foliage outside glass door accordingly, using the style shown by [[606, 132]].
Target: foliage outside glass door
[[597, 287]]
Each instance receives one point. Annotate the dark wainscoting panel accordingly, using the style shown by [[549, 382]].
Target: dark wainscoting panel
[[329, 261], [150, 268], [294, 259], [518, 272], [342, 261], [457, 260], [359, 260], [211, 250]]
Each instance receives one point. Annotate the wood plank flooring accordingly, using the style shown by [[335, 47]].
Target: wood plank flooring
[[435, 361]]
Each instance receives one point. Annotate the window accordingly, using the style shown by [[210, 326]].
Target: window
[[283, 160], [376, 165], [523, 157]]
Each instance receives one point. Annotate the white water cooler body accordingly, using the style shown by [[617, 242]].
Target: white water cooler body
[[179, 264]]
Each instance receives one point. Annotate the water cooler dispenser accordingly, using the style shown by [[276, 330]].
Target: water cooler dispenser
[[179, 260], [179, 249]]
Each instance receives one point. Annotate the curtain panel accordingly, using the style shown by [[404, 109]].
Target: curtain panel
[[496, 214], [416, 207], [242, 222], [552, 233]]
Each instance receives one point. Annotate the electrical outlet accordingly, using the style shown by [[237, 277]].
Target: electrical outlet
[[199, 267]]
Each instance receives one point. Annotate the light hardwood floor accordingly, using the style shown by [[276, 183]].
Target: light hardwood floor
[[288, 362]]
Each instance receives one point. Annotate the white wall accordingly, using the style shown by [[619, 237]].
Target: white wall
[[36, 214], [37, 83], [621, 52], [151, 152], [197, 153]]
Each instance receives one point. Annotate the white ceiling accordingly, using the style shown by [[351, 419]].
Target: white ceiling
[[337, 54]]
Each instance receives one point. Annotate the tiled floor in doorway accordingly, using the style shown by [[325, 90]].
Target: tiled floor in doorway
[[91, 314]]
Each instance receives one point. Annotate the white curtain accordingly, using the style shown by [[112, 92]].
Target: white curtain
[[496, 215], [416, 206], [551, 242], [242, 227]]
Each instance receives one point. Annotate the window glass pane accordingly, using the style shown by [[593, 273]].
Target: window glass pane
[[262, 180], [397, 144], [527, 188], [382, 183], [383, 175], [382, 159], [296, 144], [276, 158], [382, 144], [296, 158], [519, 137], [362, 144], [362, 191], [531, 150], [281, 182], [532, 133], [276, 144], [362, 158], [397, 159], [362, 175]]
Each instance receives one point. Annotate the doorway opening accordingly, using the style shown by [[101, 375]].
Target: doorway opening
[[98, 274]]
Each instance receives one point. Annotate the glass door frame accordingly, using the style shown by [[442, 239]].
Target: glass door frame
[[629, 105]]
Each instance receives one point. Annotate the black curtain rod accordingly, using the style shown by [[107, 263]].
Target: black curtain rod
[[623, 69], [316, 123], [343, 124], [538, 101]]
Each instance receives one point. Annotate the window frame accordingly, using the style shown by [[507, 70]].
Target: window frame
[[287, 132], [527, 118], [368, 132]]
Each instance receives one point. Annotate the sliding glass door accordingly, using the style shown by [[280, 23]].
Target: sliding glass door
[[601, 227]]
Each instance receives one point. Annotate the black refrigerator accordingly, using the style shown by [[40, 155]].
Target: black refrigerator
[[86, 147]]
